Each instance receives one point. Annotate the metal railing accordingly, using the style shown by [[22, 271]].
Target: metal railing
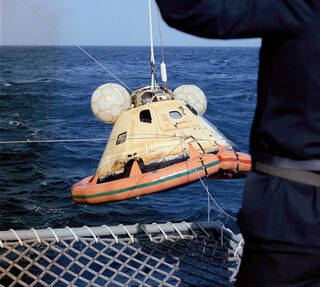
[[170, 254]]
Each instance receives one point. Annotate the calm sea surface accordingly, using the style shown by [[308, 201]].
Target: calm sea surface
[[45, 94]]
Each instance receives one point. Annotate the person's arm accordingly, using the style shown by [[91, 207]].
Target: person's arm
[[226, 19]]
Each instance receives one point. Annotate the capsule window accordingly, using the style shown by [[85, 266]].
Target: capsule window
[[145, 116], [121, 138], [175, 115]]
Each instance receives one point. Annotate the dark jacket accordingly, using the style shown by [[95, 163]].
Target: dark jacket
[[287, 119]]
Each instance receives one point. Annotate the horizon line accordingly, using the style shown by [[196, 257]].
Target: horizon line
[[156, 46]]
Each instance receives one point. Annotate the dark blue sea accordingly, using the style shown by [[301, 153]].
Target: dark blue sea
[[45, 93]]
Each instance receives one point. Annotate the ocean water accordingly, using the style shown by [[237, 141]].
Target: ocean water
[[45, 94]]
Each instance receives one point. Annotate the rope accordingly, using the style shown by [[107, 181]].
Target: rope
[[85, 140], [127, 231], [36, 234], [93, 235], [239, 245], [202, 229], [111, 232], [160, 35], [74, 235], [151, 137], [145, 231], [16, 235], [176, 229], [212, 198], [221, 235], [214, 201], [54, 234], [192, 231], [52, 141], [74, 42], [161, 230]]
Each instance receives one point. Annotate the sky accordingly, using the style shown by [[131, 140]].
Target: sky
[[93, 22]]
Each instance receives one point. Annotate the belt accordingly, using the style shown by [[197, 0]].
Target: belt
[[299, 171]]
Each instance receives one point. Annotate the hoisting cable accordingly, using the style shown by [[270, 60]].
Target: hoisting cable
[[74, 42], [163, 64], [160, 35]]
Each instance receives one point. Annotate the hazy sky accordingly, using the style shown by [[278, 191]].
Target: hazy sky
[[92, 22]]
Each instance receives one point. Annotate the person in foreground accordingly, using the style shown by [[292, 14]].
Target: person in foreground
[[280, 215]]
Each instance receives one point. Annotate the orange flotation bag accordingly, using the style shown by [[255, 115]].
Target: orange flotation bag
[[138, 183], [234, 161]]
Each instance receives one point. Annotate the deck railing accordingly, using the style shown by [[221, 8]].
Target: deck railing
[[170, 254]]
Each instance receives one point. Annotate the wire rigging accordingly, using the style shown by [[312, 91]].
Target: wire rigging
[[206, 188], [52, 141], [160, 35], [138, 137], [163, 67], [74, 42]]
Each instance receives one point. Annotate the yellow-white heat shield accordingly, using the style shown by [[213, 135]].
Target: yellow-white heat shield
[[193, 96], [109, 101]]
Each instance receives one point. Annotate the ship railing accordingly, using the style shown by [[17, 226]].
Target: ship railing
[[157, 254]]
